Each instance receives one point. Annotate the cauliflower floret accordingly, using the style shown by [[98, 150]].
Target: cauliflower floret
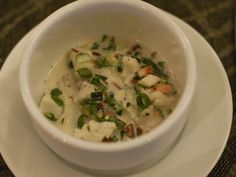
[[130, 66], [149, 80], [161, 100], [95, 131]]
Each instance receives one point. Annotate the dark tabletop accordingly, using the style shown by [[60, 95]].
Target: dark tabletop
[[213, 19]]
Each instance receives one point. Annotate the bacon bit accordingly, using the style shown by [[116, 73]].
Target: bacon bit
[[129, 53], [96, 53], [107, 140], [101, 105], [74, 50], [145, 71], [116, 85], [163, 88], [117, 56], [139, 131], [133, 81], [109, 113], [130, 130]]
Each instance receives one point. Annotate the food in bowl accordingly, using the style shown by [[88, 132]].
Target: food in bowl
[[106, 92], [84, 21]]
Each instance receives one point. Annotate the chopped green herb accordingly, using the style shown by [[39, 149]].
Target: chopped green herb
[[111, 94], [128, 104], [84, 73], [111, 46], [97, 82], [109, 99], [71, 66], [95, 46], [104, 38], [55, 95], [143, 101], [56, 92], [91, 108], [119, 123], [50, 116], [169, 111], [81, 120], [101, 77], [83, 57], [158, 68], [114, 139], [120, 65], [119, 111], [122, 134], [136, 77], [96, 96], [102, 62], [62, 121]]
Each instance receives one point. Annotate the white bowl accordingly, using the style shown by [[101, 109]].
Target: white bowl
[[84, 21]]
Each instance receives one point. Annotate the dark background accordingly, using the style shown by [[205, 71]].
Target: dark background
[[213, 19]]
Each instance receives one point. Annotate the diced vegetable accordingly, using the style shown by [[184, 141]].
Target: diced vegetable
[[146, 71], [81, 120], [119, 123], [50, 116], [55, 95], [130, 130], [164, 88], [96, 96], [71, 65], [120, 66], [111, 46], [143, 101], [102, 62], [85, 73], [149, 80], [95, 46], [82, 58], [158, 68], [97, 82], [101, 77], [104, 38]]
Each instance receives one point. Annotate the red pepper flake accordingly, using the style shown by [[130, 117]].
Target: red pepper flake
[[139, 131], [118, 56], [129, 53], [154, 89], [130, 131], [133, 81], [74, 50], [116, 85], [96, 53], [107, 140]]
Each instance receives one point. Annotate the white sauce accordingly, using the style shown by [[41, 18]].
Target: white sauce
[[108, 122]]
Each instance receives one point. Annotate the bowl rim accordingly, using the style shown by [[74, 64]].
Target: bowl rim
[[66, 139]]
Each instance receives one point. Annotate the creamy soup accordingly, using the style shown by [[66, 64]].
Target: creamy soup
[[106, 93]]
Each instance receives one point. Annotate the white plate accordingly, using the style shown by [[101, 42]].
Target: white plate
[[195, 154]]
